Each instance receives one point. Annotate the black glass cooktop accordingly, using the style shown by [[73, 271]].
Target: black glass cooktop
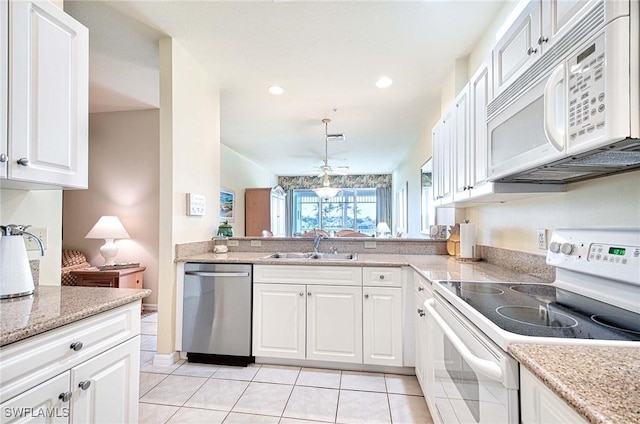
[[544, 310]]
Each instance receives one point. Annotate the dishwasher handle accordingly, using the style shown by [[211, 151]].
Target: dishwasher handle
[[216, 274]]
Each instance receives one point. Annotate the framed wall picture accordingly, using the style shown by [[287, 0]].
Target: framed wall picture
[[227, 204]]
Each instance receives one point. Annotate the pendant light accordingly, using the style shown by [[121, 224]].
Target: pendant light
[[326, 191]]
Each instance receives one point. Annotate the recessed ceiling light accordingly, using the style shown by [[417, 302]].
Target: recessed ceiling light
[[274, 89], [384, 82]]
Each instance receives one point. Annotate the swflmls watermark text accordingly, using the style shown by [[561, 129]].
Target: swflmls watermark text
[[35, 412]]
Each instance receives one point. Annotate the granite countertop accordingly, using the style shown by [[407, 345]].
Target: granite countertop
[[600, 383], [54, 306], [433, 267]]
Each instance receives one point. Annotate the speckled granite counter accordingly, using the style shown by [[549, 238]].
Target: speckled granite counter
[[434, 267], [600, 383], [54, 306]]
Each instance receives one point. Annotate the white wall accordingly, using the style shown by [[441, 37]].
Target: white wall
[[409, 171], [189, 163], [123, 181], [40, 209], [237, 173], [604, 202]]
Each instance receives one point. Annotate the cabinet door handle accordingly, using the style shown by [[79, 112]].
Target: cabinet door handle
[[65, 397], [531, 51], [301, 293], [76, 346], [84, 385], [420, 288], [23, 161], [421, 312], [542, 39], [3, 157], [366, 296], [309, 294]]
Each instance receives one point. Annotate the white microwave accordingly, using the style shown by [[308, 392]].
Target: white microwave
[[575, 113]]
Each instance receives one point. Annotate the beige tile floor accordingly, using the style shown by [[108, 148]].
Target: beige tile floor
[[265, 394]]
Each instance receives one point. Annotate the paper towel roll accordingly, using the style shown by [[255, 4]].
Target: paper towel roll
[[467, 240]]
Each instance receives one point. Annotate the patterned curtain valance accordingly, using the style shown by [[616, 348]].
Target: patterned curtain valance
[[341, 181]]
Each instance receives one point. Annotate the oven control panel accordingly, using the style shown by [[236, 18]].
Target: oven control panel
[[613, 253]]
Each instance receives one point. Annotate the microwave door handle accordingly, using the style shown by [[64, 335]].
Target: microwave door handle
[[487, 368], [555, 108]]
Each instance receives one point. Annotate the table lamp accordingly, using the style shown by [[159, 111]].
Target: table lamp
[[383, 230], [108, 228]]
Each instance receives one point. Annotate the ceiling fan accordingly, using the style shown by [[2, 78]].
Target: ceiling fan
[[325, 190], [327, 169]]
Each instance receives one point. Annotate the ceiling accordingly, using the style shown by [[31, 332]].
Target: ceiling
[[327, 55]]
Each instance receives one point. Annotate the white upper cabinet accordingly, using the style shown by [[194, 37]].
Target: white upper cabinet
[[48, 68], [557, 15], [462, 159], [480, 89], [4, 85], [532, 33], [518, 47], [443, 159]]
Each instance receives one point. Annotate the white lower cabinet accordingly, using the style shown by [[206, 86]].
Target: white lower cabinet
[[334, 323], [382, 326], [307, 322], [539, 405], [105, 381], [323, 313], [84, 372], [43, 403], [279, 317]]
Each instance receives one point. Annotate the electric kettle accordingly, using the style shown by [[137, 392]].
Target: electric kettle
[[15, 272]]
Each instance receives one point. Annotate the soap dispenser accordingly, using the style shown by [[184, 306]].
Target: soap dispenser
[[15, 272]]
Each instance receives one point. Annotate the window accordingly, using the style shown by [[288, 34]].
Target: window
[[353, 209]]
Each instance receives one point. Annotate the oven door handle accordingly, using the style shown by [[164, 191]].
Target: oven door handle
[[488, 368]]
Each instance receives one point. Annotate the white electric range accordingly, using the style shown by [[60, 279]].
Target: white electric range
[[595, 300]]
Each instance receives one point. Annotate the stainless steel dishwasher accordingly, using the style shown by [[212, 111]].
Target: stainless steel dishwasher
[[216, 317]]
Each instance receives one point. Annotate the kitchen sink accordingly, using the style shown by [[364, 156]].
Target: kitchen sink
[[314, 256]]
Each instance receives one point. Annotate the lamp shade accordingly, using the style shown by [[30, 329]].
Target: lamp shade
[[383, 230], [108, 227]]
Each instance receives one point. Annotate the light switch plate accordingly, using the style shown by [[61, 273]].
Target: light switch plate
[[369, 244], [30, 243], [232, 243], [256, 243], [196, 204]]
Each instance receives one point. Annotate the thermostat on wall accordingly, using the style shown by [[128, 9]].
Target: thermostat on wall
[[195, 204]]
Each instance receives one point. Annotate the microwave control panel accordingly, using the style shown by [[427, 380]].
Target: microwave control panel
[[586, 94]]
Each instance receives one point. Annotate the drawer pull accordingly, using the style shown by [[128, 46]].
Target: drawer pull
[[381, 277], [420, 288], [84, 385], [421, 312], [76, 346], [65, 397]]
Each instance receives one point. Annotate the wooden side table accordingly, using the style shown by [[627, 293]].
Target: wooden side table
[[128, 278]]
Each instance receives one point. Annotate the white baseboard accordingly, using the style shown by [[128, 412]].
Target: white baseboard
[[165, 359], [150, 307]]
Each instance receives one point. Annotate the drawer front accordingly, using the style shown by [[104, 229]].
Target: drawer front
[[26, 363], [382, 277], [131, 281], [302, 274], [421, 286]]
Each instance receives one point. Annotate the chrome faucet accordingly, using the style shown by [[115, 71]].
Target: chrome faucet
[[316, 240]]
